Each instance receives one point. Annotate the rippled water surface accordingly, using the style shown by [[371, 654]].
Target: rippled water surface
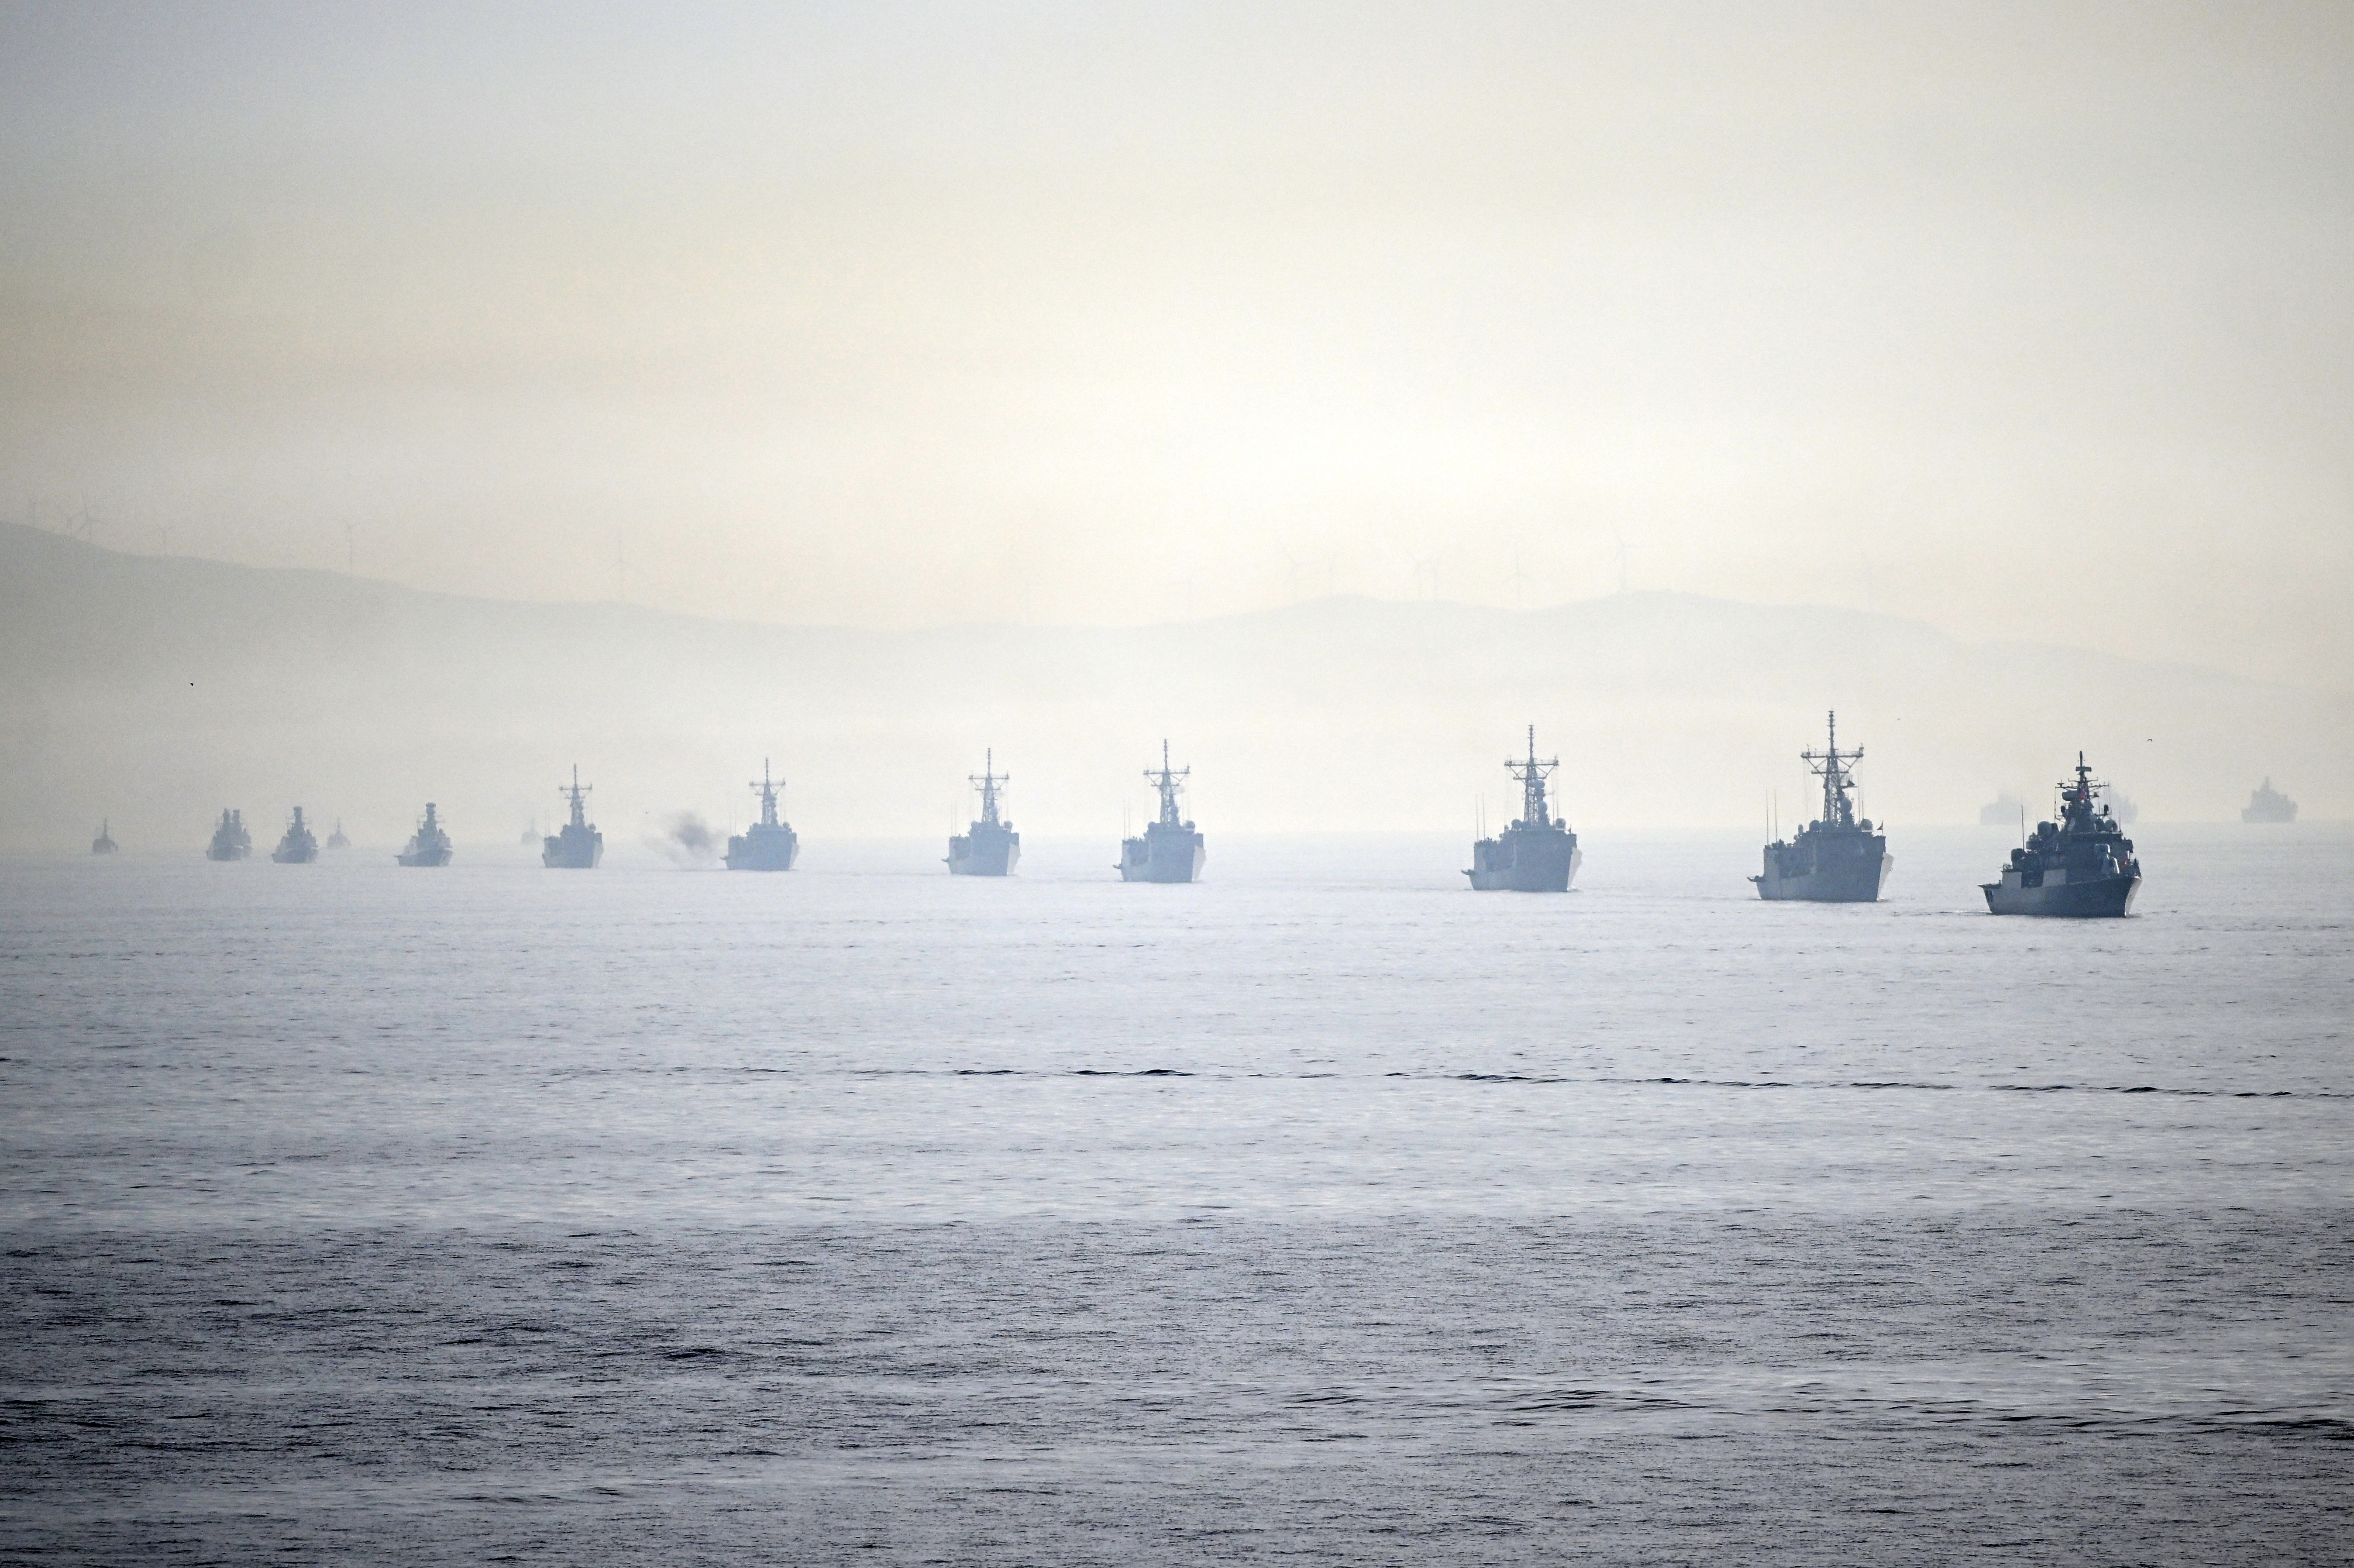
[[1321, 1213]]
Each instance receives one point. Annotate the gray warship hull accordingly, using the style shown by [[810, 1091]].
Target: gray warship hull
[[433, 854], [1163, 854], [2054, 894], [572, 849], [1830, 869], [986, 851], [1526, 860], [764, 848]]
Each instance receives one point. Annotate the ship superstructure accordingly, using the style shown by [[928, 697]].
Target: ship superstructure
[[299, 846], [2269, 805], [231, 840], [769, 845], [1537, 853], [1170, 849], [1838, 858], [336, 840], [577, 845], [2081, 865], [104, 843], [990, 847], [430, 845]]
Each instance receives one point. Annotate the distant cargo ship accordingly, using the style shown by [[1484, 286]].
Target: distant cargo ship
[[1169, 849], [990, 847], [299, 846], [1537, 853], [577, 845], [1835, 859], [2081, 866], [430, 845], [104, 843], [2269, 805], [231, 840], [769, 845]]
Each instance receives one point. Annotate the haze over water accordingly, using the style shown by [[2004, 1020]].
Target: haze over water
[[1323, 1211]]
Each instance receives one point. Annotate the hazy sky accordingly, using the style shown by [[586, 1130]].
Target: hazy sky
[[2027, 321]]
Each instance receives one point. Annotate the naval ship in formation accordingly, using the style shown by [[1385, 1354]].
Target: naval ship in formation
[[231, 840], [577, 845], [104, 843], [2081, 865], [990, 847], [299, 845], [2269, 805], [430, 845], [1537, 853], [336, 840], [1835, 859], [1170, 849], [769, 845]]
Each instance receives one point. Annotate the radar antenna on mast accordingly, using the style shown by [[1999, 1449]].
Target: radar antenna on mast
[[1166, 780], [989, 778], [767, 789], [1533, 774], [1834, 767]]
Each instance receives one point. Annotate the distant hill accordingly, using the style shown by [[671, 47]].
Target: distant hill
[[156, 690]]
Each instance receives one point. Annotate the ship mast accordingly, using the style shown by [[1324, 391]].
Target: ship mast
[[1533, 775], [1835, 769], [1166, 780], [989, 779], [574, 792], [767, 793], [2076, 800]]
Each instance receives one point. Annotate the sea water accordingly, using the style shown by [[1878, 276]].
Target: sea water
[[1323, 1211]]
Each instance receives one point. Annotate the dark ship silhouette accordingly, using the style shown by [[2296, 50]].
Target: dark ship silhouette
[[1835, 859], [299, 846], [1537, 853], [2001, 812], [2269, 805], [104, 843], [577, 845], [430, 845], [231, 840], [336, 840], [990, 848], [769, 845], [2082, 866], [1170, 849]]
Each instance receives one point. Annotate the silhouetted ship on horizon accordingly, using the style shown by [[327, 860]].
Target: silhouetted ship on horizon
[[231, 840], [298, 845], [1169, 850], [1537, 853], [2081, 866], [430, 845], [577, 845], [2004, 811], [990, 847], [769, 845], [2269, 805], [336, 840], [1835, 859], [104, 843]]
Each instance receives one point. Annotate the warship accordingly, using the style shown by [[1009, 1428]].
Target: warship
[[2266, 805], [1836, 858], [336, 840], [231, 840], [2082, 865], [1537, 853], [577, 845], [104, 843], [990, 847], [1170, 851], [300, 846], [430, 845], [2001, 812], [769, 845]]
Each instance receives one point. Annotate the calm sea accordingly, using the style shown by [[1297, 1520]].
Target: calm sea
[[1321, 1213]]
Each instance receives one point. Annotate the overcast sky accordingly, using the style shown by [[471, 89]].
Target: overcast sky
[[2029, 321]]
